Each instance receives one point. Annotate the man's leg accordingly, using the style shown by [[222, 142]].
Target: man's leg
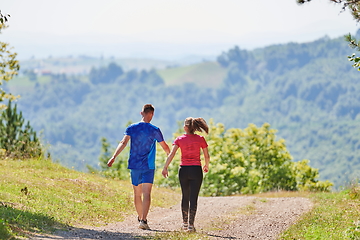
[[142, 200], [138, 200], [142, 194], [146, 191]]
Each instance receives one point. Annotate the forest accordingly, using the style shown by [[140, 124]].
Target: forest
[[308, 92]]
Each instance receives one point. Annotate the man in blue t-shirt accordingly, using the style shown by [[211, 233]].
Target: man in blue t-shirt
[[143, 137]]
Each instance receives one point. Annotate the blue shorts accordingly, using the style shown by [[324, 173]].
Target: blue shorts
[[142, 176]]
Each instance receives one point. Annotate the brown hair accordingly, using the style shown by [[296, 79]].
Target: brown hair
[[148, 108], [196, 124]]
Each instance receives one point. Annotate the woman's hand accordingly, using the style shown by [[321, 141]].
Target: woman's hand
[[206, 168], [165, 173], [207, 159]]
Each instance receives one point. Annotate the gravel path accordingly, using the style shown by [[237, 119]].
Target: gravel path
[[217, 217]]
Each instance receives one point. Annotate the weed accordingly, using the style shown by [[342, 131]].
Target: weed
[[248, 209], [5, 230], [353, 232], [354, 190]]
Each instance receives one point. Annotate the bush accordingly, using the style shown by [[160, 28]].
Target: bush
[[250, 161]]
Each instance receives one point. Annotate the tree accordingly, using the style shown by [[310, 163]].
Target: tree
[[9, 66], [119, 168], [354, 7], [4, 18], [105, 74], [353, 43], [17, 139], [235, 56]]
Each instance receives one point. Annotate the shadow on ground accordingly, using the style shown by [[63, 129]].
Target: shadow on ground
[[88, 234]]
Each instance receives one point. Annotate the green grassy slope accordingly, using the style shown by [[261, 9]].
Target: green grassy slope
[[334, 216], [40, 196], [209, 74]]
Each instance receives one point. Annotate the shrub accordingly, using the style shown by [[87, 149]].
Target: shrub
[[250, 161]]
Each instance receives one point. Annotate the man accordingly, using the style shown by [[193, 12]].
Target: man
[[141, 162]]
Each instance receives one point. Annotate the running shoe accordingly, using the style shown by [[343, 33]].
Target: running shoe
[[185, 226], [191, 229], [143, 225]]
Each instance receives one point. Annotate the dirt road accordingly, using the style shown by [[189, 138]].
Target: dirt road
[[217, 217]]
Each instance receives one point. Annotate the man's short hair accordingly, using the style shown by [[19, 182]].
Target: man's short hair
[[148, 108]]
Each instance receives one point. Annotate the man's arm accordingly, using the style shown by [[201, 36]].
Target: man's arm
[[168, 161], [166, 148], [119, 149]]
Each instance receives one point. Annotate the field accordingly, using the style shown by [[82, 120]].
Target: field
[[39, 196], [209, 74]]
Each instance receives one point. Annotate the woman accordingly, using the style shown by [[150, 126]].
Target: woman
[[190, 172]]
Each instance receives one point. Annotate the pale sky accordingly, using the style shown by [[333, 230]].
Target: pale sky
[[166, 29]]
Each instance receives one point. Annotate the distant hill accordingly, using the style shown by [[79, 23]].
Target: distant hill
[[81, 65], [309, 92], [209, 74]]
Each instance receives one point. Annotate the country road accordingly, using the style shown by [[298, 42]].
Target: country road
[[217, 217]]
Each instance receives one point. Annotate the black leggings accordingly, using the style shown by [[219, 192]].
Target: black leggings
[[190, 181]]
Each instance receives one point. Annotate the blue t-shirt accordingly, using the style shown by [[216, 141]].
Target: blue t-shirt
[[143, 137]]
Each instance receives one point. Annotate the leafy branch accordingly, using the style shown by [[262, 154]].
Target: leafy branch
[[353, 43], [4, 18], [9, 66]]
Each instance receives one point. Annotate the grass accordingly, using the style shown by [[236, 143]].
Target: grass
[[41, 196], [180, 236], [334, 216]]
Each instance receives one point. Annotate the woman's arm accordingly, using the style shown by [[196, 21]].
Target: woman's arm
[[207, 159], [168, 160]]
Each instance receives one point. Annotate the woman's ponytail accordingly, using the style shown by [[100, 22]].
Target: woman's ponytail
[[196, 124]]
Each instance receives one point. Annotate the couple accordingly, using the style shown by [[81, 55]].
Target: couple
[[141, 163]]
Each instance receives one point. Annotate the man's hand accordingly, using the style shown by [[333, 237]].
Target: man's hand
[[111, 161]]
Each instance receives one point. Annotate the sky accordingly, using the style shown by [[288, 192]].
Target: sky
[[165, 29]]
